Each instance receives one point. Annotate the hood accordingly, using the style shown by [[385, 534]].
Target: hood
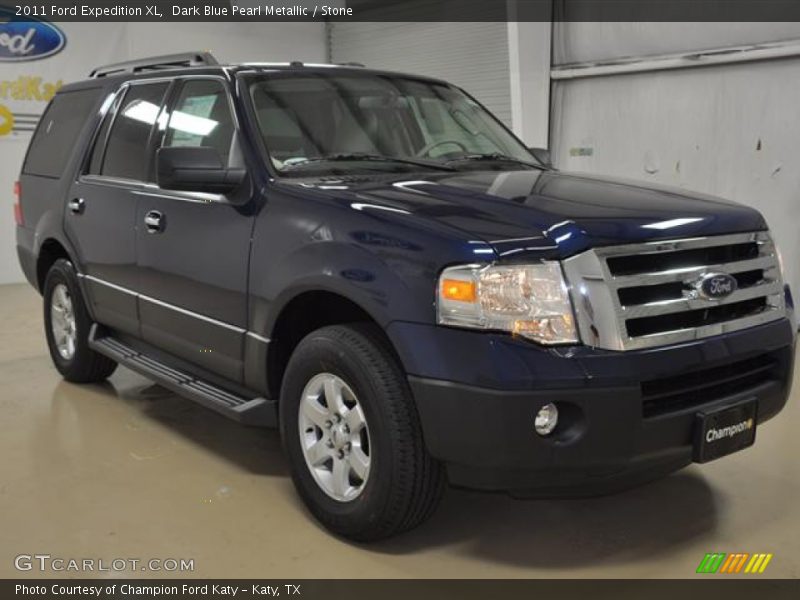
[[549, 213]]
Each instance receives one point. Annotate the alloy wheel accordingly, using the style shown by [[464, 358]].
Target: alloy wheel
[[334, 437], [62, 322]]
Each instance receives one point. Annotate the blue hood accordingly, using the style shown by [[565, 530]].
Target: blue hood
[[551, 213]]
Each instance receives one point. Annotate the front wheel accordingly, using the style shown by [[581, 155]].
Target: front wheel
[[353, 437], [67, 325]]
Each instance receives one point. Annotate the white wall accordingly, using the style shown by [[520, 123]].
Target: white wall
[[587, 42], [529, 75], [93, 44]]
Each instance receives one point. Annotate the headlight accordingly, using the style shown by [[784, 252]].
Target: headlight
[[527, 300]]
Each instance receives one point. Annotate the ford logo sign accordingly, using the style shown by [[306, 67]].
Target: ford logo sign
[[715, 286], [26, 39]]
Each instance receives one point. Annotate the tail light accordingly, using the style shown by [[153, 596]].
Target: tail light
[[17, 205]]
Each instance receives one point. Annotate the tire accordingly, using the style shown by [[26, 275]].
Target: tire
[[404, 483], [82, 364]]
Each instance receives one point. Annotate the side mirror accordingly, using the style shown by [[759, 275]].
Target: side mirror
[[542, 155], [195, 169]]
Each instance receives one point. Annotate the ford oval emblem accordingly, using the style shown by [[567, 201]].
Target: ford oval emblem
[[28, 39], [715, 286]]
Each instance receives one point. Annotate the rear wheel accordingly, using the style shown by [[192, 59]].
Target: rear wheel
[[353, 437], [67, 325]]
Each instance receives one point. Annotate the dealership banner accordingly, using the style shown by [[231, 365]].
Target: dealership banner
[[27, 82], [374, 589], [37, 57], [407, 10]]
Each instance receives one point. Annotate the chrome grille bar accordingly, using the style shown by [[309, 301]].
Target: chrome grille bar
[[681, 274], [666, 307]]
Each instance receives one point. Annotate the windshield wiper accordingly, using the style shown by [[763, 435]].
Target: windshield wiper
[[359, 156], [495, 156]]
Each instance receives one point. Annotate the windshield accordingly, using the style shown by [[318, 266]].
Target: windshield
[[344, 122]]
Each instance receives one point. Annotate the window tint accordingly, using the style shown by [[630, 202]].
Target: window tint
[[201, 117], [126, 150], [58, 130]]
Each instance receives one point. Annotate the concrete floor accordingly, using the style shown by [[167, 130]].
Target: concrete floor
[[128, 470]]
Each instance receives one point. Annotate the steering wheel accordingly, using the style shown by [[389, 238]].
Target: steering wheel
[[433, 145]]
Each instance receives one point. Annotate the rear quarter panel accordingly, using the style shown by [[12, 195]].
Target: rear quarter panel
[[43, 198]]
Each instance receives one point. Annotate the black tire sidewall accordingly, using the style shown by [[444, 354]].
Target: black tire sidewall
[[63, 272], [320, 354]]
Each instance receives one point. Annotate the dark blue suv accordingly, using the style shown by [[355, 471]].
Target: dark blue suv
[[373, 263]]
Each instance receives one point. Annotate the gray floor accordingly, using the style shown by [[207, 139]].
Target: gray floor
[[128, 470]]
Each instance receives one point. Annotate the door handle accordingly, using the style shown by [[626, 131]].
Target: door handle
[[154, 221], [76, 206]]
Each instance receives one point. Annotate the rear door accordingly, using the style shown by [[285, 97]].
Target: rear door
[[101, 213], [193, 248]]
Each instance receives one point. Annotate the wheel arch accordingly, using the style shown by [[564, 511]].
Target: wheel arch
[[306, 311], [49, 252]]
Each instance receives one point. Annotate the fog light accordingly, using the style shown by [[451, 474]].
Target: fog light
[[546, 419]]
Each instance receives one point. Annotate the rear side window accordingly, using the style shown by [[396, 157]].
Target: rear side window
[[126, 150], [57, 133]]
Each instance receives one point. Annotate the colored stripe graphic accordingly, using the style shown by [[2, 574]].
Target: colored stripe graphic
[[741, 562], [758, 563], [711, 562], [734, 563]]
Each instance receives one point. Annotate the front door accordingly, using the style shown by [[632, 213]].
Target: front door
[[193, 248]]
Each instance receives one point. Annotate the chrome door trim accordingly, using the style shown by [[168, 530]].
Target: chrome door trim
[[190, 313], [113, 286], [169, 306], [257, 337]]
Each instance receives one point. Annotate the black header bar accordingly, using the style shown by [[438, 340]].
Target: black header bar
[[711, 586], [403, 10]]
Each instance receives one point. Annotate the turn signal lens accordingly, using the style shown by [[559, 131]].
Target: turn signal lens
[[460, 291]]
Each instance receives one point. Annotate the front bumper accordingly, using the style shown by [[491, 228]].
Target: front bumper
[[477, 395]]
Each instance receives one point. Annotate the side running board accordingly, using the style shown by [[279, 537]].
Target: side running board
[[249, 411]]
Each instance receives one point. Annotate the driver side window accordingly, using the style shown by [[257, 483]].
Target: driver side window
[[202, 117]]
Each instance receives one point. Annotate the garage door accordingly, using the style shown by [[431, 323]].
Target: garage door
[[473, 56]]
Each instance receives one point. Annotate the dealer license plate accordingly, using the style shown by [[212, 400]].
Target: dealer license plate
[[724, 431]]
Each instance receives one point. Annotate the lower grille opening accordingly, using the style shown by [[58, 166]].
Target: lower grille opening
[[689, 390], [695, 318]]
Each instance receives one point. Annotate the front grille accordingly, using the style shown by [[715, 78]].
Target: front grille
[[646, 295], [690, 390]]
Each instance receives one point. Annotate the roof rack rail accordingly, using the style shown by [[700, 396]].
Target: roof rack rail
[[350, 64], [168, 61]]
